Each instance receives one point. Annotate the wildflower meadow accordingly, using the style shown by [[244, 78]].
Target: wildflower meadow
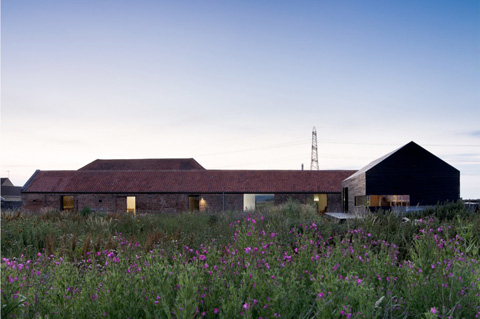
[[285, 262]]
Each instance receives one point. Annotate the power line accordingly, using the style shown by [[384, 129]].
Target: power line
[[393, 144], [261, 148], [304, 142]]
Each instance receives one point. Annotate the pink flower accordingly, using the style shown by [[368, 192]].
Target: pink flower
[[320, 295], [246, 306], [433, 310], [202, 257], [215, 310]]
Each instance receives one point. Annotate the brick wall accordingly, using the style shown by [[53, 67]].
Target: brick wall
[[168, 203], [334, 202], [35, 202]]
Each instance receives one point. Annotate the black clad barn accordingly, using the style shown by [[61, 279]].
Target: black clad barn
[[408, 176]]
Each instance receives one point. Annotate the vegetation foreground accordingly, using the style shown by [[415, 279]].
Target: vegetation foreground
[[286, 262]]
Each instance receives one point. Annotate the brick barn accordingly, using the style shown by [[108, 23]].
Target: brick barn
[[177, 185]]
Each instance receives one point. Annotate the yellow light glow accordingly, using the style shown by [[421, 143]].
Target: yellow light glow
[[131, 207], [203, 205]]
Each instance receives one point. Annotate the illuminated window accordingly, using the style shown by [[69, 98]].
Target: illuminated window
[[321, 201], [249, 202], [203, 205], [382, 200], [67, 203], [131, 207]]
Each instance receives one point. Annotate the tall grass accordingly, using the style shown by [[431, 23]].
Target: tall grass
[[287, 262]]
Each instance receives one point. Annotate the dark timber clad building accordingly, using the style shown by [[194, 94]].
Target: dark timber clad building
[[408, 176]]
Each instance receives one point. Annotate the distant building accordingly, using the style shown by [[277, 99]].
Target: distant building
[[409, 176], [176, 185], [11, 195]]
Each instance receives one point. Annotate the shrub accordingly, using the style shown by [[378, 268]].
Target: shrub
[[86, 211]]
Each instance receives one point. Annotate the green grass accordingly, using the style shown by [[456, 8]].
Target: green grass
[[285, 262]]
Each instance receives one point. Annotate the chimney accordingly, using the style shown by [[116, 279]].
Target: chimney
[[302, 166]]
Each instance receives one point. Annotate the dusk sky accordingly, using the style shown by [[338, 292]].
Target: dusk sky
[[239, 84]]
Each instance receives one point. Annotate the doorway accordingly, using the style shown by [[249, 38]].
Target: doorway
[[193, 203], [67, 203], [345, 199]]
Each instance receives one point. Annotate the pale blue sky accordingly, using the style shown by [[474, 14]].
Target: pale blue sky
[[239, 84]]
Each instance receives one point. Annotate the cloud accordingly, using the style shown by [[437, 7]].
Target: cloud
[[474, 133]]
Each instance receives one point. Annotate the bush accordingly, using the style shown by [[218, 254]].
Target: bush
[[86, 211]]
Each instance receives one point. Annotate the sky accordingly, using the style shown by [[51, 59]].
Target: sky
[[239, 84]]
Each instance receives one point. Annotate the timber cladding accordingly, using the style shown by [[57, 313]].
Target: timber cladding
[[408, 171]]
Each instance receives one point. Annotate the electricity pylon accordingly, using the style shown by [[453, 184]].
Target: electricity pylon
[[314, 163]]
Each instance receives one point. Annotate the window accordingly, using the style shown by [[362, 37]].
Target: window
[[203, 205], [249, 202], [253, 202], [361, 200], [131, 206], [321, 202], [382, 200], [264, 201], [67, 203]]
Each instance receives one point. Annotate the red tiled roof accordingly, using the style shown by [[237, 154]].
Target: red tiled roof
[[200, 181], [144, 164]]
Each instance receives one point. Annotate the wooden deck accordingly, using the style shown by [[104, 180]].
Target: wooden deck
[[341, 217]]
